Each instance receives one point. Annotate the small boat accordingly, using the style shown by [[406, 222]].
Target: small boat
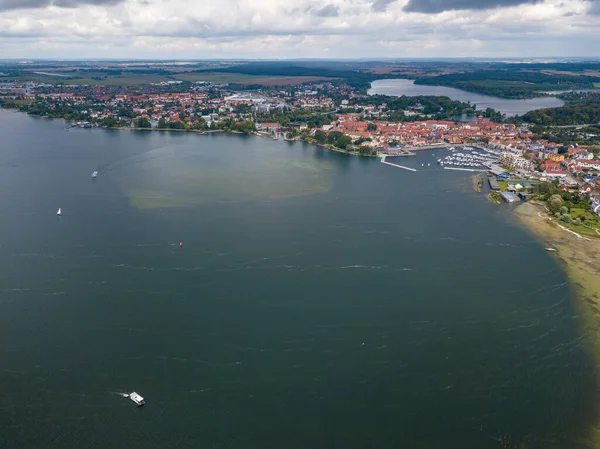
[[59, 212], [550, 249], [137, 399], [94, 174]]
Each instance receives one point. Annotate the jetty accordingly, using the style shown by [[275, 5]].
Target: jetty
[[464, 169], [383, 161]]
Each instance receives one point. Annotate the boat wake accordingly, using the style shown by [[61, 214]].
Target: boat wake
[[120, 393]]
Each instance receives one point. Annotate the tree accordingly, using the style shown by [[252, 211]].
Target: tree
[[176, 125], [555, 203], [566, 218], [372, 127], [365, 150], [333, 136], [243, 108], [109, 122], [320, 136], [344, 142], [143, 123], [564, 210], [362, 140]]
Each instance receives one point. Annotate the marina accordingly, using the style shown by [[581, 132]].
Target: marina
[[460, 158], [468, 157]]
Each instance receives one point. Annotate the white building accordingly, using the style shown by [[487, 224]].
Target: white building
[[515, 161]]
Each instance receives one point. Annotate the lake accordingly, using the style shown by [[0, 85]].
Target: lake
[[399, 87], [318, 300]]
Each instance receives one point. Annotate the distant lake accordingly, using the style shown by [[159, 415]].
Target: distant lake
[[398, 88], [51, 74]]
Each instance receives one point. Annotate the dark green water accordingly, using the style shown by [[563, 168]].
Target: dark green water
[[319, 300]]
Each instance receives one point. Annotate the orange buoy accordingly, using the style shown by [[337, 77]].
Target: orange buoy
[[181, 244]]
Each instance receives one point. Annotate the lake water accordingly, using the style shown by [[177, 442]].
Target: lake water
[[319, 300], [399, 87]]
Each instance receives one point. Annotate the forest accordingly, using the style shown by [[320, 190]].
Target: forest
[[569, 114], [517, 84]]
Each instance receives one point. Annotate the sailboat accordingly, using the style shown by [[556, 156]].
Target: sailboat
[[94, 174], [59, 212]]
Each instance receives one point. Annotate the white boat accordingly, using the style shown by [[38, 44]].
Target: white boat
[[550, 249], [59, 212], [94, 174], [137, 399]]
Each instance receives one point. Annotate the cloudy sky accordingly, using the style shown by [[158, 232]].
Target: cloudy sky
[[298, 28]]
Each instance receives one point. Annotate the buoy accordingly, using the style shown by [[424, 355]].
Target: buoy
[[181, 244]]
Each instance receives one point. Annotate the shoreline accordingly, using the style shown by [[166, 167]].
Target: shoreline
[[578, 257], [199, 132]]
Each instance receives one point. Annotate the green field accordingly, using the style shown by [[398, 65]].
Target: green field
[[240, 78], [589, 226], [132, 78], [215, 77], [127, 80]]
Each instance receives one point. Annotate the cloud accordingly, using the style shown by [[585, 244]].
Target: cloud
[[327, 11], [438, 6], [200, 29], [381, 5], [594, 8], [28, 4]]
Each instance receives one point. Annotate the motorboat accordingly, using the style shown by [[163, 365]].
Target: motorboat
[[137, 399]]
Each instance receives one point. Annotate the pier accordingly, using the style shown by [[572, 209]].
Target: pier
[[383, 161], [464, 169]]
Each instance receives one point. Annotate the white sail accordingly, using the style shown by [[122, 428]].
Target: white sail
[[59, 212]]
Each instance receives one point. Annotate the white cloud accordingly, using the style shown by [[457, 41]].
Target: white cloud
[[294, 28]]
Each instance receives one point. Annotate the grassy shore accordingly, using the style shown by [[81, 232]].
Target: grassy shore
[[477, 183], [580, 258]]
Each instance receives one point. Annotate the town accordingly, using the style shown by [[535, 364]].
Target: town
[[332, 114]]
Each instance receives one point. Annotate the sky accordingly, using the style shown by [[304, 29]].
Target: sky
[[255, 29]]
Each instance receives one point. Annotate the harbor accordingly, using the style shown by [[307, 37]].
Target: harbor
[[460, 158]]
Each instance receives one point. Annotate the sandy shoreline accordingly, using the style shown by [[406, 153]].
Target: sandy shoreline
[[580, 258]]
